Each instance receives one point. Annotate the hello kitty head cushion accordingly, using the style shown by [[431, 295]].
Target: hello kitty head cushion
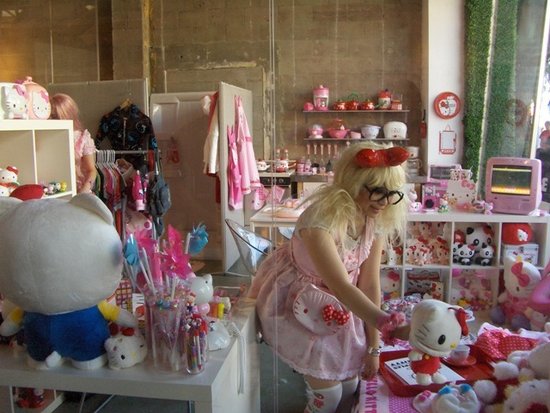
[[38, 99]]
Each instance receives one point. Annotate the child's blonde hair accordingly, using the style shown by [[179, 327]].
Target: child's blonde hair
[[337, 200], [64, 107]]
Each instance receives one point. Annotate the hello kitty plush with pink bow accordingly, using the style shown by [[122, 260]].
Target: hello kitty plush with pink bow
[[520, 279]]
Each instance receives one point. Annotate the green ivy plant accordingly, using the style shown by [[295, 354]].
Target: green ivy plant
[[478, 39], [490, 82]]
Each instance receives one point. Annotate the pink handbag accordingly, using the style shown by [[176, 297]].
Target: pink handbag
[[318, 311]]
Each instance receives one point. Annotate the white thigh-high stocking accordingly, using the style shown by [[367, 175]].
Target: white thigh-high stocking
[[323, 400], [348, 391]]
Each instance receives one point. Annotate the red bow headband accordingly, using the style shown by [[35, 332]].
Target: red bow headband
[[370, 158]]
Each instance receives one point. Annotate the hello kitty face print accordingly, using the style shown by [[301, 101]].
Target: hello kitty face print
[[41, 107]]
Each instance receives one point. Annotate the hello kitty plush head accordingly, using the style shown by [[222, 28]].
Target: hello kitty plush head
[[125, 348], [520, 280], [8, 178], [436, 329], [203, 290], [520, 277]]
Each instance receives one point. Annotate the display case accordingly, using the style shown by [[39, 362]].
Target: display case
[[41, 150], [435, 254]]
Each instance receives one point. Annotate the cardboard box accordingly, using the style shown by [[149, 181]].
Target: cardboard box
[[528, 252]]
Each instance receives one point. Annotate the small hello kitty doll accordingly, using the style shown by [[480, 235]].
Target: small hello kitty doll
[[436, 329], [390, 283]]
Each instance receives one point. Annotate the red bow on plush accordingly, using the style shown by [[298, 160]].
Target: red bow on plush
[[331, 313], [370, 158]]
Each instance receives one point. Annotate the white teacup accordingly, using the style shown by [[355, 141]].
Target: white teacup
[[460, 353]]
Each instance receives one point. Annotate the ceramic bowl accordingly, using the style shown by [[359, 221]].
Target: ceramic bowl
[[354, 135], [370, 131], [337, 133]]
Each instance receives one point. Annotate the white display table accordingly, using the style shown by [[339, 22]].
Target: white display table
[[215, 390]]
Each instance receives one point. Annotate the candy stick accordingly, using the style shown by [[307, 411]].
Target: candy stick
[[147, 278], [187, 241]]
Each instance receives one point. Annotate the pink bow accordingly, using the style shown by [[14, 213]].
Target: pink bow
[[523, 279], [330, 313]]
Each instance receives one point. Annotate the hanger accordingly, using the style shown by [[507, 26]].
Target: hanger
[[125, 103]]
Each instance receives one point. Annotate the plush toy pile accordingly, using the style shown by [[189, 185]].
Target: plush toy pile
[[521, 383]]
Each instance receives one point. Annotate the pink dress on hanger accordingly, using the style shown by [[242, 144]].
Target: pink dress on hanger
[[83, 145], [277, 283], [250, 179], [235, 195]]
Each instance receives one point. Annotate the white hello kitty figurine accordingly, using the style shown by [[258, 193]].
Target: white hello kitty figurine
[[14, 102], [436, 329]]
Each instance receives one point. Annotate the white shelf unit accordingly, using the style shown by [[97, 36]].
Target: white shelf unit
[[42, 151], [460, 220]]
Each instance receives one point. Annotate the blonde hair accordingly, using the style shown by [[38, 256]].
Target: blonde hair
[[337, 200], [64, 107]]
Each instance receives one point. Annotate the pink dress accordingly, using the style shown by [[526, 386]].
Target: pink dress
[[83, 145], [276, 284]]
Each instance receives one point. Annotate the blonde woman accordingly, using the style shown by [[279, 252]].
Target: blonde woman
[[64, 107], [318, 296]]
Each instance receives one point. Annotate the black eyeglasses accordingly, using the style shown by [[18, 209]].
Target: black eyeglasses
[[379, 193]]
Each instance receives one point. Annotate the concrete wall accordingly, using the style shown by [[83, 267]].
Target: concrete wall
[[351, 46]]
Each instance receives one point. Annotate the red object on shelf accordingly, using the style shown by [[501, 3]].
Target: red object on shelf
[[471, 374]]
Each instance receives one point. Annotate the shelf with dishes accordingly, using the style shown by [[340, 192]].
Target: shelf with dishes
[[354, 139], [358, 111]]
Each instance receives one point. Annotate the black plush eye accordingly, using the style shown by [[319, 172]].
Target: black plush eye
[[441, 339], [122, 357]]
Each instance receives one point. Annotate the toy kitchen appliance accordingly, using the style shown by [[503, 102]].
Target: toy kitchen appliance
[[320, 98], [395, 130]]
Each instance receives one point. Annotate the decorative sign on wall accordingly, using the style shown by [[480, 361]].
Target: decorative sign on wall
[[447, 105], [447, 141]]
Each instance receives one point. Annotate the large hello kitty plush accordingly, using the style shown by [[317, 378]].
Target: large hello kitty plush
[[520, 279], [59, 262], [436, 329]]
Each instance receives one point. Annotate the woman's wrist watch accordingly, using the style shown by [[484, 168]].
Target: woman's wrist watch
[[374, 351]]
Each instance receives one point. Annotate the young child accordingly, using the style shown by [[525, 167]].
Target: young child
[[64, 107], [336, 247]]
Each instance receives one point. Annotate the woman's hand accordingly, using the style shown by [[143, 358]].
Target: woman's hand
[[371, 364], [402, 332]]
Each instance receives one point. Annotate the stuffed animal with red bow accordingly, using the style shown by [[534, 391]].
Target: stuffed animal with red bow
[[436, 329], [520, 279]]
